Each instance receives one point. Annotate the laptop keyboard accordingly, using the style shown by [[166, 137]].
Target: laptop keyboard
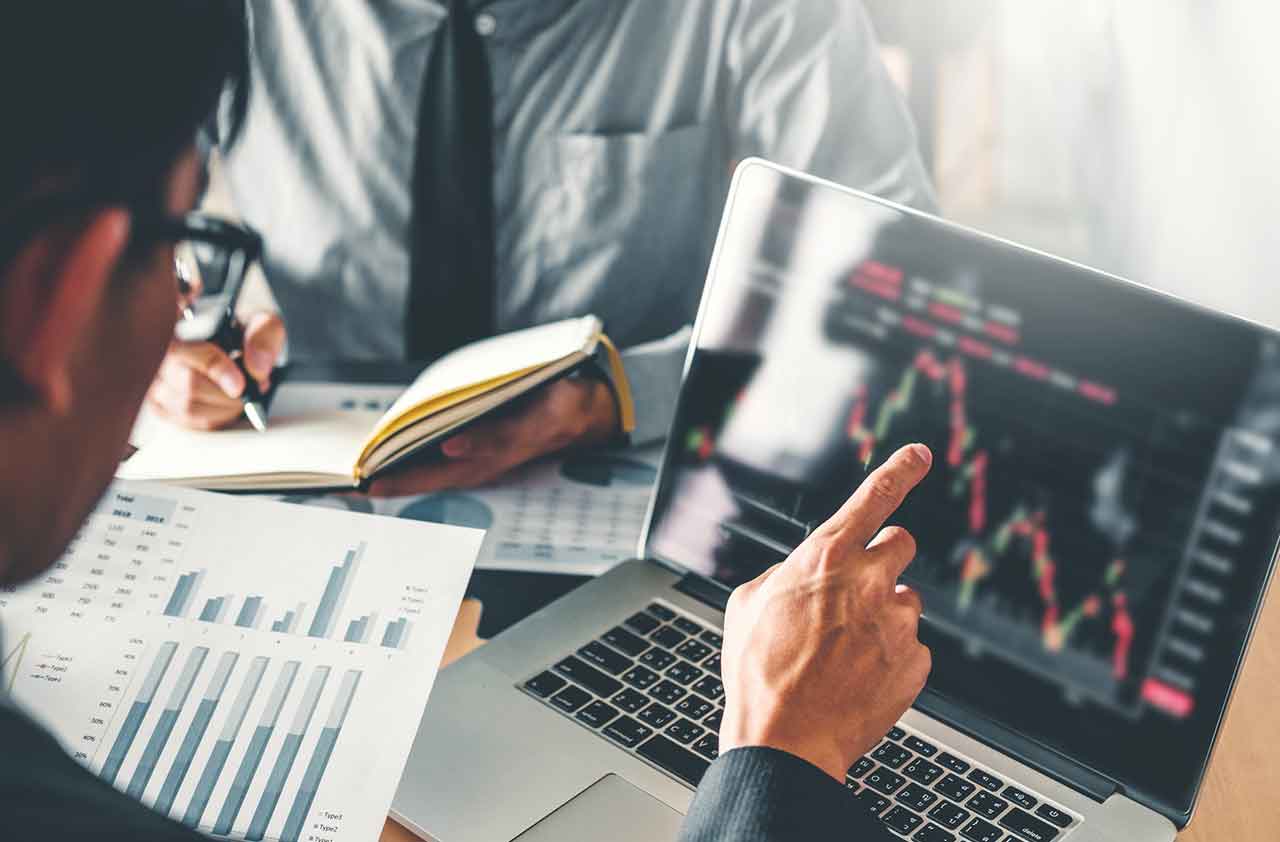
[[652, 685]]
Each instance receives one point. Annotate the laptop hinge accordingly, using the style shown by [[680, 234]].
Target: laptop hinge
[[1043, 760], [704, 590]]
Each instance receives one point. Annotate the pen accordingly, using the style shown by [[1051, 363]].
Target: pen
[[232, 341]]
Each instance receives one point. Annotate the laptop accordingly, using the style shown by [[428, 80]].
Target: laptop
[[1095, 540]]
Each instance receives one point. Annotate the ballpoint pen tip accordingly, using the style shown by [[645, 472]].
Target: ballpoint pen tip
[[256, 416]]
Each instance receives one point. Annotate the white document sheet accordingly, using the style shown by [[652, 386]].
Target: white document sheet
[[253, 669]]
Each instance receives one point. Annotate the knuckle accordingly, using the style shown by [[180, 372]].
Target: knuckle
[[883, 486]]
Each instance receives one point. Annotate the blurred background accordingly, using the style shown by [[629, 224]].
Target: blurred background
[[1138, 136]]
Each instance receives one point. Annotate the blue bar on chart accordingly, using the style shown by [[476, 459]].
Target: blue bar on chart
[[289, 622], [288, 753], [180, 600], [164, 727], [249, 613], [396, 634], [314, 773], [358, 630], [335, 594], [257, 747], [215, 610], [222, 748], [195, 733], [141, 704]]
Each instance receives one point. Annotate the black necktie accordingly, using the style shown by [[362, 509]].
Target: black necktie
[[451, 280]]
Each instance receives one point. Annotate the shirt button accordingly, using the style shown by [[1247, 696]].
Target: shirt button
[[486, 24]]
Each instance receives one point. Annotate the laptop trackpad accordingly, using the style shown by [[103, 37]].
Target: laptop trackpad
[[630, 814]]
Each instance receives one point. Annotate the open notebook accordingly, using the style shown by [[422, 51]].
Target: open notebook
[[335, 449]]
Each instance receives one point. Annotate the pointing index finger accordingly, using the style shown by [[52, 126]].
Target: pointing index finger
[[879, 495]]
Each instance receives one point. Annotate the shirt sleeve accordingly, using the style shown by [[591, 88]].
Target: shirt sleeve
[[807, 88], [766, 795]]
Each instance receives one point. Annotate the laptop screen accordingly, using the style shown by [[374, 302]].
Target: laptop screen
[[1102, 513]]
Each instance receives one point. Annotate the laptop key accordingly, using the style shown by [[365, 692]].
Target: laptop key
[[630, 701], [641, 623], [662, 612], [588, 676], [667, 692], [627, 731], [922, 771], [953, 763], [873, 802], [932, 833], [708, 745], [597, 713], [891, 755], [919, 746], [683, 672], [712, 664], [955, 788], [710, 687], [624, 641], [668, 637], [948, 814], [1053, 815], [896, 733], [685, 731], [981, 831], [1024, 800], [658, 659], [679, 761], [902, 820], [916, 797], [694, 707], [984, 779], [860, 768], [604, 657], [712, 639], [544, 684], [687, 626], [713, 719], [882, 780], [657, 715], [640, 677], [571, 698], [693, 650], [1028, 826], [987, 805]]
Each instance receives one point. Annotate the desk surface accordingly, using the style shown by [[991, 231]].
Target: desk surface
[[1241, 796]]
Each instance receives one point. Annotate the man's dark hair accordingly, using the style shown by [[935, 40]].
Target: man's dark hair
[[100, 97]]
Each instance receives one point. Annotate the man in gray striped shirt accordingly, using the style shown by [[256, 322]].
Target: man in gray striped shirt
[[617, 124]]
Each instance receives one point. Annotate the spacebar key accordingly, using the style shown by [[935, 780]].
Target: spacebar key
[[682, 763]]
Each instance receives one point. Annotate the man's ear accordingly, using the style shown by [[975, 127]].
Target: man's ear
[[49, 296]]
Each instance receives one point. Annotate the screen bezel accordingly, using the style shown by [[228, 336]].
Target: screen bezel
[[1179, 812]]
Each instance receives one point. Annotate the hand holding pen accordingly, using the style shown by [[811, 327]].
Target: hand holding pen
[[207, 384]]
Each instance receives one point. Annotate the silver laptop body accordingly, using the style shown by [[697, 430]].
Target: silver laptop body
[[1070, 686]]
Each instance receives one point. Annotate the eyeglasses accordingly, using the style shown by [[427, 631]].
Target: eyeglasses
[[210, 256]]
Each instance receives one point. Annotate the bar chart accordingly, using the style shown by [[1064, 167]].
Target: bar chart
[[262, 682]]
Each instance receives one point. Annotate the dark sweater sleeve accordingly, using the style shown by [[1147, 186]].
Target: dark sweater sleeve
[[766, 795]]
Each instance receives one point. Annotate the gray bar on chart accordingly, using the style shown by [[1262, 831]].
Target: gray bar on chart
[[288, 753], [249, 612], [314, 773], [187, 585], [392, 634], [257, 747], [292, 625], [353, 630], [276, 626], [323, 621], [141, 704], [160, 736], [195, 734], [341, 603], [210, 612], [222, 748]]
